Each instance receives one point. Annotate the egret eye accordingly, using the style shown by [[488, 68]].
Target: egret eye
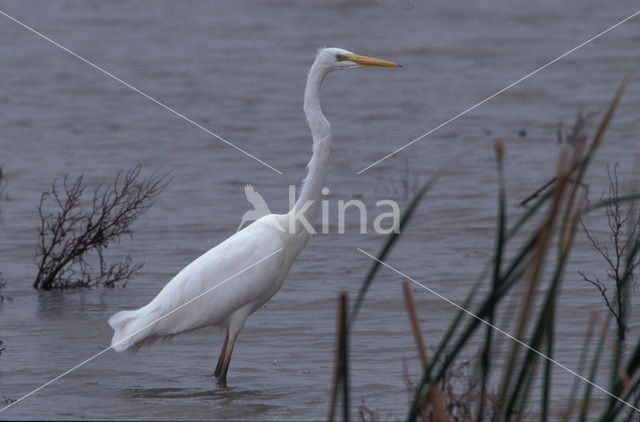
[[340, 57]]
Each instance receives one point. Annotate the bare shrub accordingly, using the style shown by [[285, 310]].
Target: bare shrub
[[460, 392], [578, 132], [624, 230], [71, 241], [3, 182], [575, 137], [3, 284], [406, 184]]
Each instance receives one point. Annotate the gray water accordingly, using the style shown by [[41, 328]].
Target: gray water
[[239, 69]]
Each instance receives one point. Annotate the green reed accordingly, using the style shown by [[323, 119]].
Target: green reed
[[553, 215]]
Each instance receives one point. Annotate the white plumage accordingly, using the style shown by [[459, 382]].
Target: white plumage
[[232, 300], [242, 273]]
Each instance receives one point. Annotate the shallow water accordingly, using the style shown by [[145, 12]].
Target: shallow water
[[239, 68]]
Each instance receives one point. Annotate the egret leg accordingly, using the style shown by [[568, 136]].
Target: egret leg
[[222, 353], [222, 376], [232, 334]]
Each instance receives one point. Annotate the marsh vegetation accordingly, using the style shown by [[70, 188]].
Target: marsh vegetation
[[502, 382]]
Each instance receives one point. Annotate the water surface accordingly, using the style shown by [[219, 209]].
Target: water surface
[[239, 69]]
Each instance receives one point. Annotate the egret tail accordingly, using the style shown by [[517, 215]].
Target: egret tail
[[132, 329]]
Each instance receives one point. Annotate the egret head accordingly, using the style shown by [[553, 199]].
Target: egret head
[[337, 59]]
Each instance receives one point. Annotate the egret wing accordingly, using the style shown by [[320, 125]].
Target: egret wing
[[235, 273]]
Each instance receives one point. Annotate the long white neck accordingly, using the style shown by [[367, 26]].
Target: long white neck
[[321, 133]]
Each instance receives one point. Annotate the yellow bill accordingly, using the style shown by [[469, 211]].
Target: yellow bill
[[370, 61]]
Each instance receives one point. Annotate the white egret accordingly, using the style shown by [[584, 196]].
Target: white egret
[[234, 284]]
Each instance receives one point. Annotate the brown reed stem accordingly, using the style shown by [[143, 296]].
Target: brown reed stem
[[439, 408]]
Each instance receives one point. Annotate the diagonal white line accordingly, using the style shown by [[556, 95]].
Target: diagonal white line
[[138, 91], [499, 330], [136, 332], [499, 92]]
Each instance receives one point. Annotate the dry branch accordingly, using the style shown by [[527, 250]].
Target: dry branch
[[72, 241], [624, 229]]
